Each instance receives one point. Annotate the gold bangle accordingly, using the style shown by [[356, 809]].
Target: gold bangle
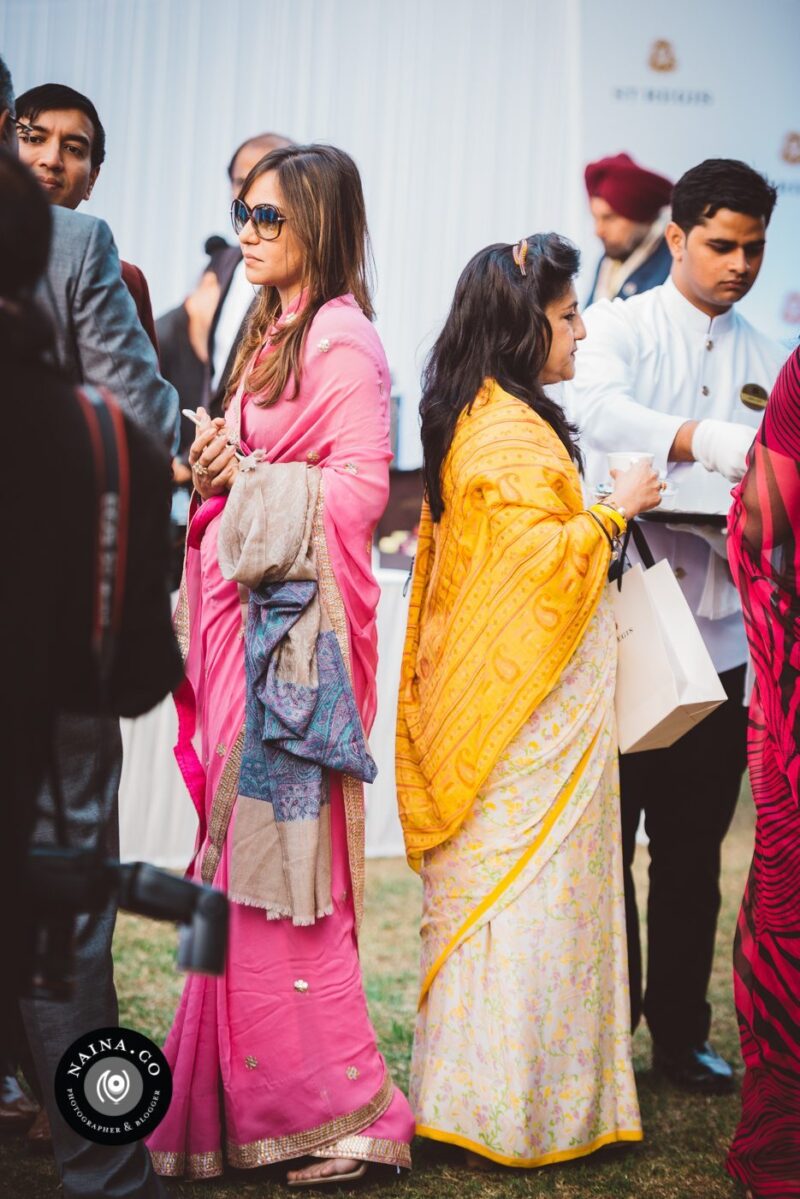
[[617, 517]]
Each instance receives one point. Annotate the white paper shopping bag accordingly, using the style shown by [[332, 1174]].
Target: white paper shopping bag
[[666, 681]]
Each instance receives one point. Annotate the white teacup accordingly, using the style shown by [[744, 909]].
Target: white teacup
[[624, 459]]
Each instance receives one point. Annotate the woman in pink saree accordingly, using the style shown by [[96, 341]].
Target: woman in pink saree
[[764, 553], [277, 1059]]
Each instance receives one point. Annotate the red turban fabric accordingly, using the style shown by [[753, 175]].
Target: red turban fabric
[[629, 189]]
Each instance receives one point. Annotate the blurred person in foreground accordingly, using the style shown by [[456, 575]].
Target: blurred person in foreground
[[278, 1060], [63, 142], [507, 771], [630, 209], [764, 552], [97, 340], [48, 611], [663, 373]]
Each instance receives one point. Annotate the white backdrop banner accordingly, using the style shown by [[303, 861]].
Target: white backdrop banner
[[675, 83], [462, 116], [470, 122]]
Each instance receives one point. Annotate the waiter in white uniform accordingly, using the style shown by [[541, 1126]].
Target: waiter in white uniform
[[663, 372]]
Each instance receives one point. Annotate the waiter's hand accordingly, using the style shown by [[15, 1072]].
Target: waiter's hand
[[722, 446]]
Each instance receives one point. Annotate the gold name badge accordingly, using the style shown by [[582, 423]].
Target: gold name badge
[[754, 397]]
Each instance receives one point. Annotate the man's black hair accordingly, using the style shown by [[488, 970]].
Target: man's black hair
[[54, 97], [6, 89], [721, 183]]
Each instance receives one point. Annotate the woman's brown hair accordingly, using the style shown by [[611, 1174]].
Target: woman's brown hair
[[322, 194]]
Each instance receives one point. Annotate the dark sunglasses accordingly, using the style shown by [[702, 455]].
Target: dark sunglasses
[[266, 219]]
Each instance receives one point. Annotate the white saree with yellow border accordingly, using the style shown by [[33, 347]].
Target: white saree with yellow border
[[522, 1044], [509, 796]]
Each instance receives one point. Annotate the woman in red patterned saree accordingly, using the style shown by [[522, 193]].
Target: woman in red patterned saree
[[764, 551]]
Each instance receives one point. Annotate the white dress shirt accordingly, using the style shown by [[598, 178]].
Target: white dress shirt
[[238, 298], [647, 365]]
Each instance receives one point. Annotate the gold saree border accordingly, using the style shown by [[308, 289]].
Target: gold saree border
[[352, 788], [268, 1150], [540, 838], [369, 1149], [620, 1135], [181, 617], [221, 810], [193, 1165]]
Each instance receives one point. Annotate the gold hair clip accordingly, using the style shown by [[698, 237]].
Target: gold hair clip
[[520, 252]]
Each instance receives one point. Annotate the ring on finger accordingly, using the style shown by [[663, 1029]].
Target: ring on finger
[[200, 470]]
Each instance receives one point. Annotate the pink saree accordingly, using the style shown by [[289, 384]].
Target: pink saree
[[277, 1058]]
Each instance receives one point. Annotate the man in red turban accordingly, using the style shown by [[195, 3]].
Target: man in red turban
[[628, 205]]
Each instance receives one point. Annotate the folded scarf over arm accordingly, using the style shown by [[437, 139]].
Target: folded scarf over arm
[[301, 716]]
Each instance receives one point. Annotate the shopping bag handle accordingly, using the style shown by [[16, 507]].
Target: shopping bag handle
[[636, 531]]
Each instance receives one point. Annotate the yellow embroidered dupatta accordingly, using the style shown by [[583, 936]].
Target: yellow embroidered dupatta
[[504, 587]]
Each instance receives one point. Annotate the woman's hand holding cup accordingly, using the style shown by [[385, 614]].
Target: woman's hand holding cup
[[637, 488]]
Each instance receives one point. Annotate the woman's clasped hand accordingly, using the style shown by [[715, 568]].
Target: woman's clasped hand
[[212, 458]]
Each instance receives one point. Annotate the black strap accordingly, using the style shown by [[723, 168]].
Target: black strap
[[636, 531], [106, 429], [106, 432]]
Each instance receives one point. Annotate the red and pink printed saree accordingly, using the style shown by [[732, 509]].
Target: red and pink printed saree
[[764, 552]]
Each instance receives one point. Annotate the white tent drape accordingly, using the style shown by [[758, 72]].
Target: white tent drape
[[462, 115]]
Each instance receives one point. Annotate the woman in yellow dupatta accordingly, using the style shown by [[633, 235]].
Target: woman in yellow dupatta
[[507, 755]]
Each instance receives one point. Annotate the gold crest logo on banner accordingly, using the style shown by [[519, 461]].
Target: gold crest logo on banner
[[790, 150], [791, 308], [662, 56]]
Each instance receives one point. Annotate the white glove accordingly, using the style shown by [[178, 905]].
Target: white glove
[[722, 446]]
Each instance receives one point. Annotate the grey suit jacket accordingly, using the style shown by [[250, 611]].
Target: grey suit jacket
[[98, 336]]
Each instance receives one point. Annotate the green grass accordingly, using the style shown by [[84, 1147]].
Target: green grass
[[686, 1137]]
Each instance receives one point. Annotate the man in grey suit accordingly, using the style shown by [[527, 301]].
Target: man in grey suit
[[99, 340]]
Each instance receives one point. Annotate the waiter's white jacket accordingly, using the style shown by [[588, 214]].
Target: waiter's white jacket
[[647, 365]]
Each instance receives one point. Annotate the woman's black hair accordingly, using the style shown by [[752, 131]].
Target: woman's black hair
[[497, 329]]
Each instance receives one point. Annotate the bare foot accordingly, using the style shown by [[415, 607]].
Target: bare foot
[[330, 1167]]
